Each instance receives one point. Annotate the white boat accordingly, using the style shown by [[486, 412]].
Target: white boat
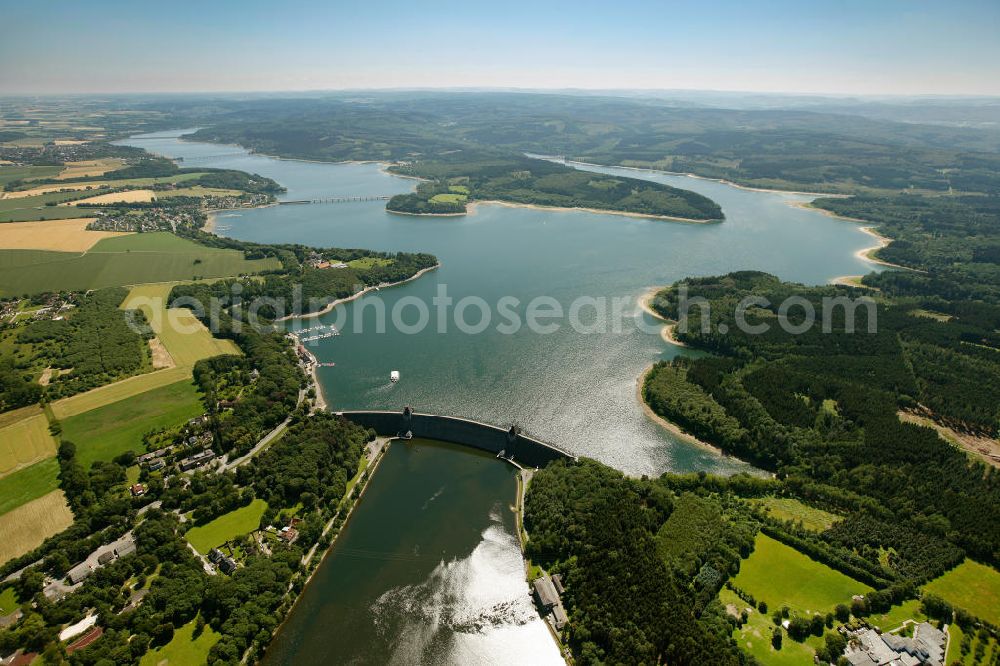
[[394, 376]]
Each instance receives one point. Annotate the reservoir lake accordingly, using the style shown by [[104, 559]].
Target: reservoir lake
[[438, 577]]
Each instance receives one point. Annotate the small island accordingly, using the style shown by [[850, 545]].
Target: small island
[[453, 182]]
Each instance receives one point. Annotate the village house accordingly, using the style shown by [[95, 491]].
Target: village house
[[197, 460]]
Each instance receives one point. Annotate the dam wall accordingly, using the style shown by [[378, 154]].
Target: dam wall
[[513, 445]]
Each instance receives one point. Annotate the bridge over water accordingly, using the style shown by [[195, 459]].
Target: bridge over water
[[507, 443], [343, 199]]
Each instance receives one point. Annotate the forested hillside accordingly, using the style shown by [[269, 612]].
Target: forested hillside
[[822, 407], [782, 149]]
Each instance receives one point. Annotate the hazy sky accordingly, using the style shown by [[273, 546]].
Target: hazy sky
[[866, 46]]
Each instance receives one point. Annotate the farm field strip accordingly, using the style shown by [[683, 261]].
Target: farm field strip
[[47, 515], [111, 393], [24, 443], [69, 235]]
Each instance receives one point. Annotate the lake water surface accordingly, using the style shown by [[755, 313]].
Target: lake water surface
[[575, 390]]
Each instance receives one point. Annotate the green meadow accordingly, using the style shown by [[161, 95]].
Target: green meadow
[[972, 586], [782, 576], [183, 649], [227, 526], [109, 431], [788, 508]]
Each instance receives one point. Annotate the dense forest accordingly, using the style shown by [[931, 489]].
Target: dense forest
[[628, 604]]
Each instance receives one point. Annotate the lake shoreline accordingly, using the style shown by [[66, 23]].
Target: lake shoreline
[[669, 325], [668, 425]]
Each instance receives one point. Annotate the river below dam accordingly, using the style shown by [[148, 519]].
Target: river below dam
[[428, 569]]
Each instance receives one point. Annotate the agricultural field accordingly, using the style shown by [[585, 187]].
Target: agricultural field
[[42, 206], [123, 260], [106, 432], [126, 196], [111, 393], [25, 442], [788, 508], [69, 235], [228, 526], [185, 338], [10, 174], [198, 191], [183, 649], [754, 637], [89, 168], [47, 515], [28, 484], [972, 586], [782, 576]]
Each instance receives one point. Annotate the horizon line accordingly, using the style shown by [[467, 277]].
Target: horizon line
[[510, 89]]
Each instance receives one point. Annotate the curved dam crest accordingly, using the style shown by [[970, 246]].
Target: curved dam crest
[[510, 444]]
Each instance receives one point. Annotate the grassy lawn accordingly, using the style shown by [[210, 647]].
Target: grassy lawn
[[972, 586], [452, 197], [25, 442], [754, 638], [225, 527], [184, 649], [782, 576], [368, 262], [185, 338], [894, 617], [105, 432], [123, 260], [8, 601], [788, 508], [28, 484], [362, 465]]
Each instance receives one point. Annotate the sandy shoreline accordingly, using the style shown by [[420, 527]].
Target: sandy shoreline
[[669, 325], [512, 204], [669, 426], [329, 307]]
